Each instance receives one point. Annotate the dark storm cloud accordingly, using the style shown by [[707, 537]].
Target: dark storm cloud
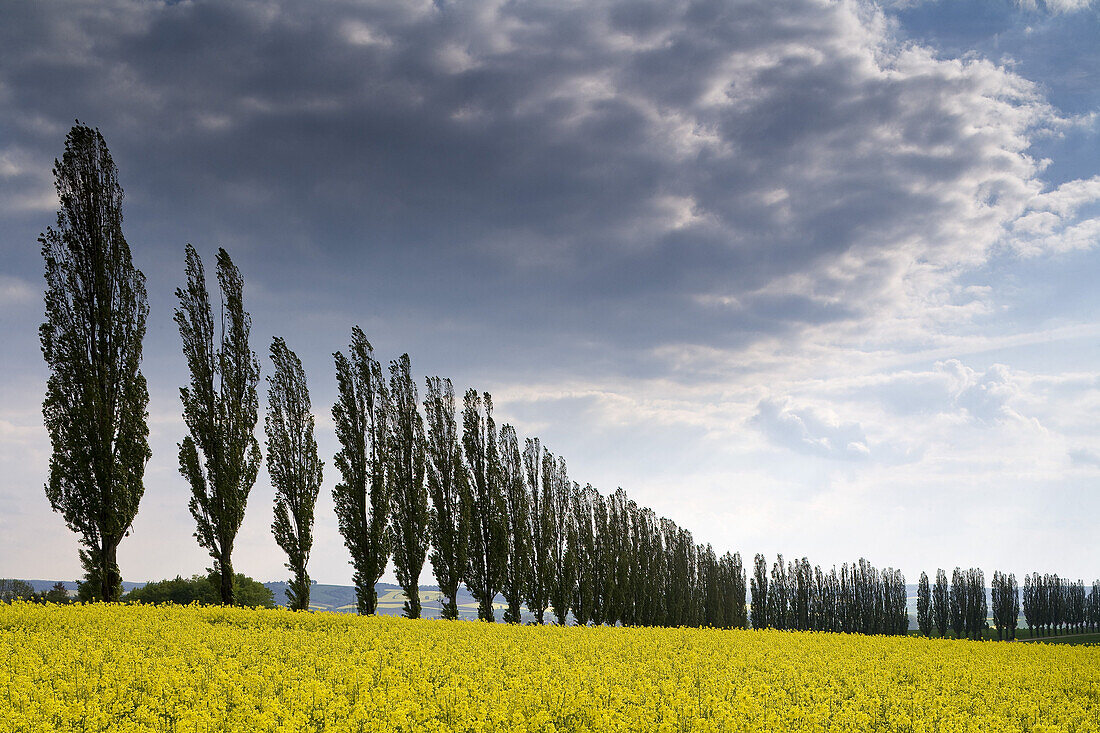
[[603, 178]]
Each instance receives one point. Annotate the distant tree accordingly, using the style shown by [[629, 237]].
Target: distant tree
[[96, 396], [1030, 615], [448, 487], [362, 497], [563, 578], [1095, 606], [779, 595], [959, 602], [517, 567], [537, 593], [941, 603], [733, 591], [293, 465], [924, 605], [57, 594], [759, 591], [488, 541], [977, 608], [1012, 606], [204, 590], [586, 551], [12, 589], [406, 474]]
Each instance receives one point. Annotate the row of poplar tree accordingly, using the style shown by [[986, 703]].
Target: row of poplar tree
[[1051, 605], [438, 485], [420, 481]]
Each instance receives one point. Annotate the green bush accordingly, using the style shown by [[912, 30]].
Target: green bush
[[202, 589]]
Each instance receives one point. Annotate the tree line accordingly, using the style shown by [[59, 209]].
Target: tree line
[[422, 481], [1054, 605]]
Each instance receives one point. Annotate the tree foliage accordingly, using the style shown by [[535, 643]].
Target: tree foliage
[[537, 593], [204, 590], [517, 512], [362, 497], [293, 465], [924, 605], [405, 471], [488, 541], [448, 488], [96, 396], [220, 456]]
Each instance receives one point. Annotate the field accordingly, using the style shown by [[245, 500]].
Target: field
[[133, 668]]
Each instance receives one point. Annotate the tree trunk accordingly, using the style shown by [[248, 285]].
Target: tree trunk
[[109, 577], [226, 567]]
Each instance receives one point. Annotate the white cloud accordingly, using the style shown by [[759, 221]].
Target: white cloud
[[1056, 6], [14, 291]]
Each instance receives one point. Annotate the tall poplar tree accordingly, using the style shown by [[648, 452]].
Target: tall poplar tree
[[517, 567], [537, 594], [560, 490], [758, 588], [220, 456], [448, 488], [95, 405], [941, 603], [924, 605], [362, 497], [406, 474], [293, 465], [488, 537], [959, 603]]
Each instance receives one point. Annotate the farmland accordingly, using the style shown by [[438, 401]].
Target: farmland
[[136, 668]]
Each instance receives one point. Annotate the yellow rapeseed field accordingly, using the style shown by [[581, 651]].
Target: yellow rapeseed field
[[133, 668]]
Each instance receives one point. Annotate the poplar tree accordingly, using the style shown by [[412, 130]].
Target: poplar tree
[[488, 541], [759, 592], [537, 593], [448, 488], [95, 404], [562, 579], [362, 497], [293, 465], [959, 605], [924, 605], [517, 567], [406, 474], [941, 604], [220, 456]]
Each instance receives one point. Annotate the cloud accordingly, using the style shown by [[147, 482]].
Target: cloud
[[15, 291], [1056, 6], [807, 431], [675, 174], [1084, 457], [646, 227]]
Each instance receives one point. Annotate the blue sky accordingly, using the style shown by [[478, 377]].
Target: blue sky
[[806, 277]]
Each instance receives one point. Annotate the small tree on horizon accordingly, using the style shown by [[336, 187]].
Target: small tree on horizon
[[220, 456], [96, 396], [293, 465]]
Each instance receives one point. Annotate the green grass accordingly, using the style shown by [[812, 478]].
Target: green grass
[[1022, 634]]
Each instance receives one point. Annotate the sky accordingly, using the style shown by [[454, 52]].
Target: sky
[[804, 276]]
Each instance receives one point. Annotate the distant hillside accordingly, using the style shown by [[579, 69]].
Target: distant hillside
[[391, 600]]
